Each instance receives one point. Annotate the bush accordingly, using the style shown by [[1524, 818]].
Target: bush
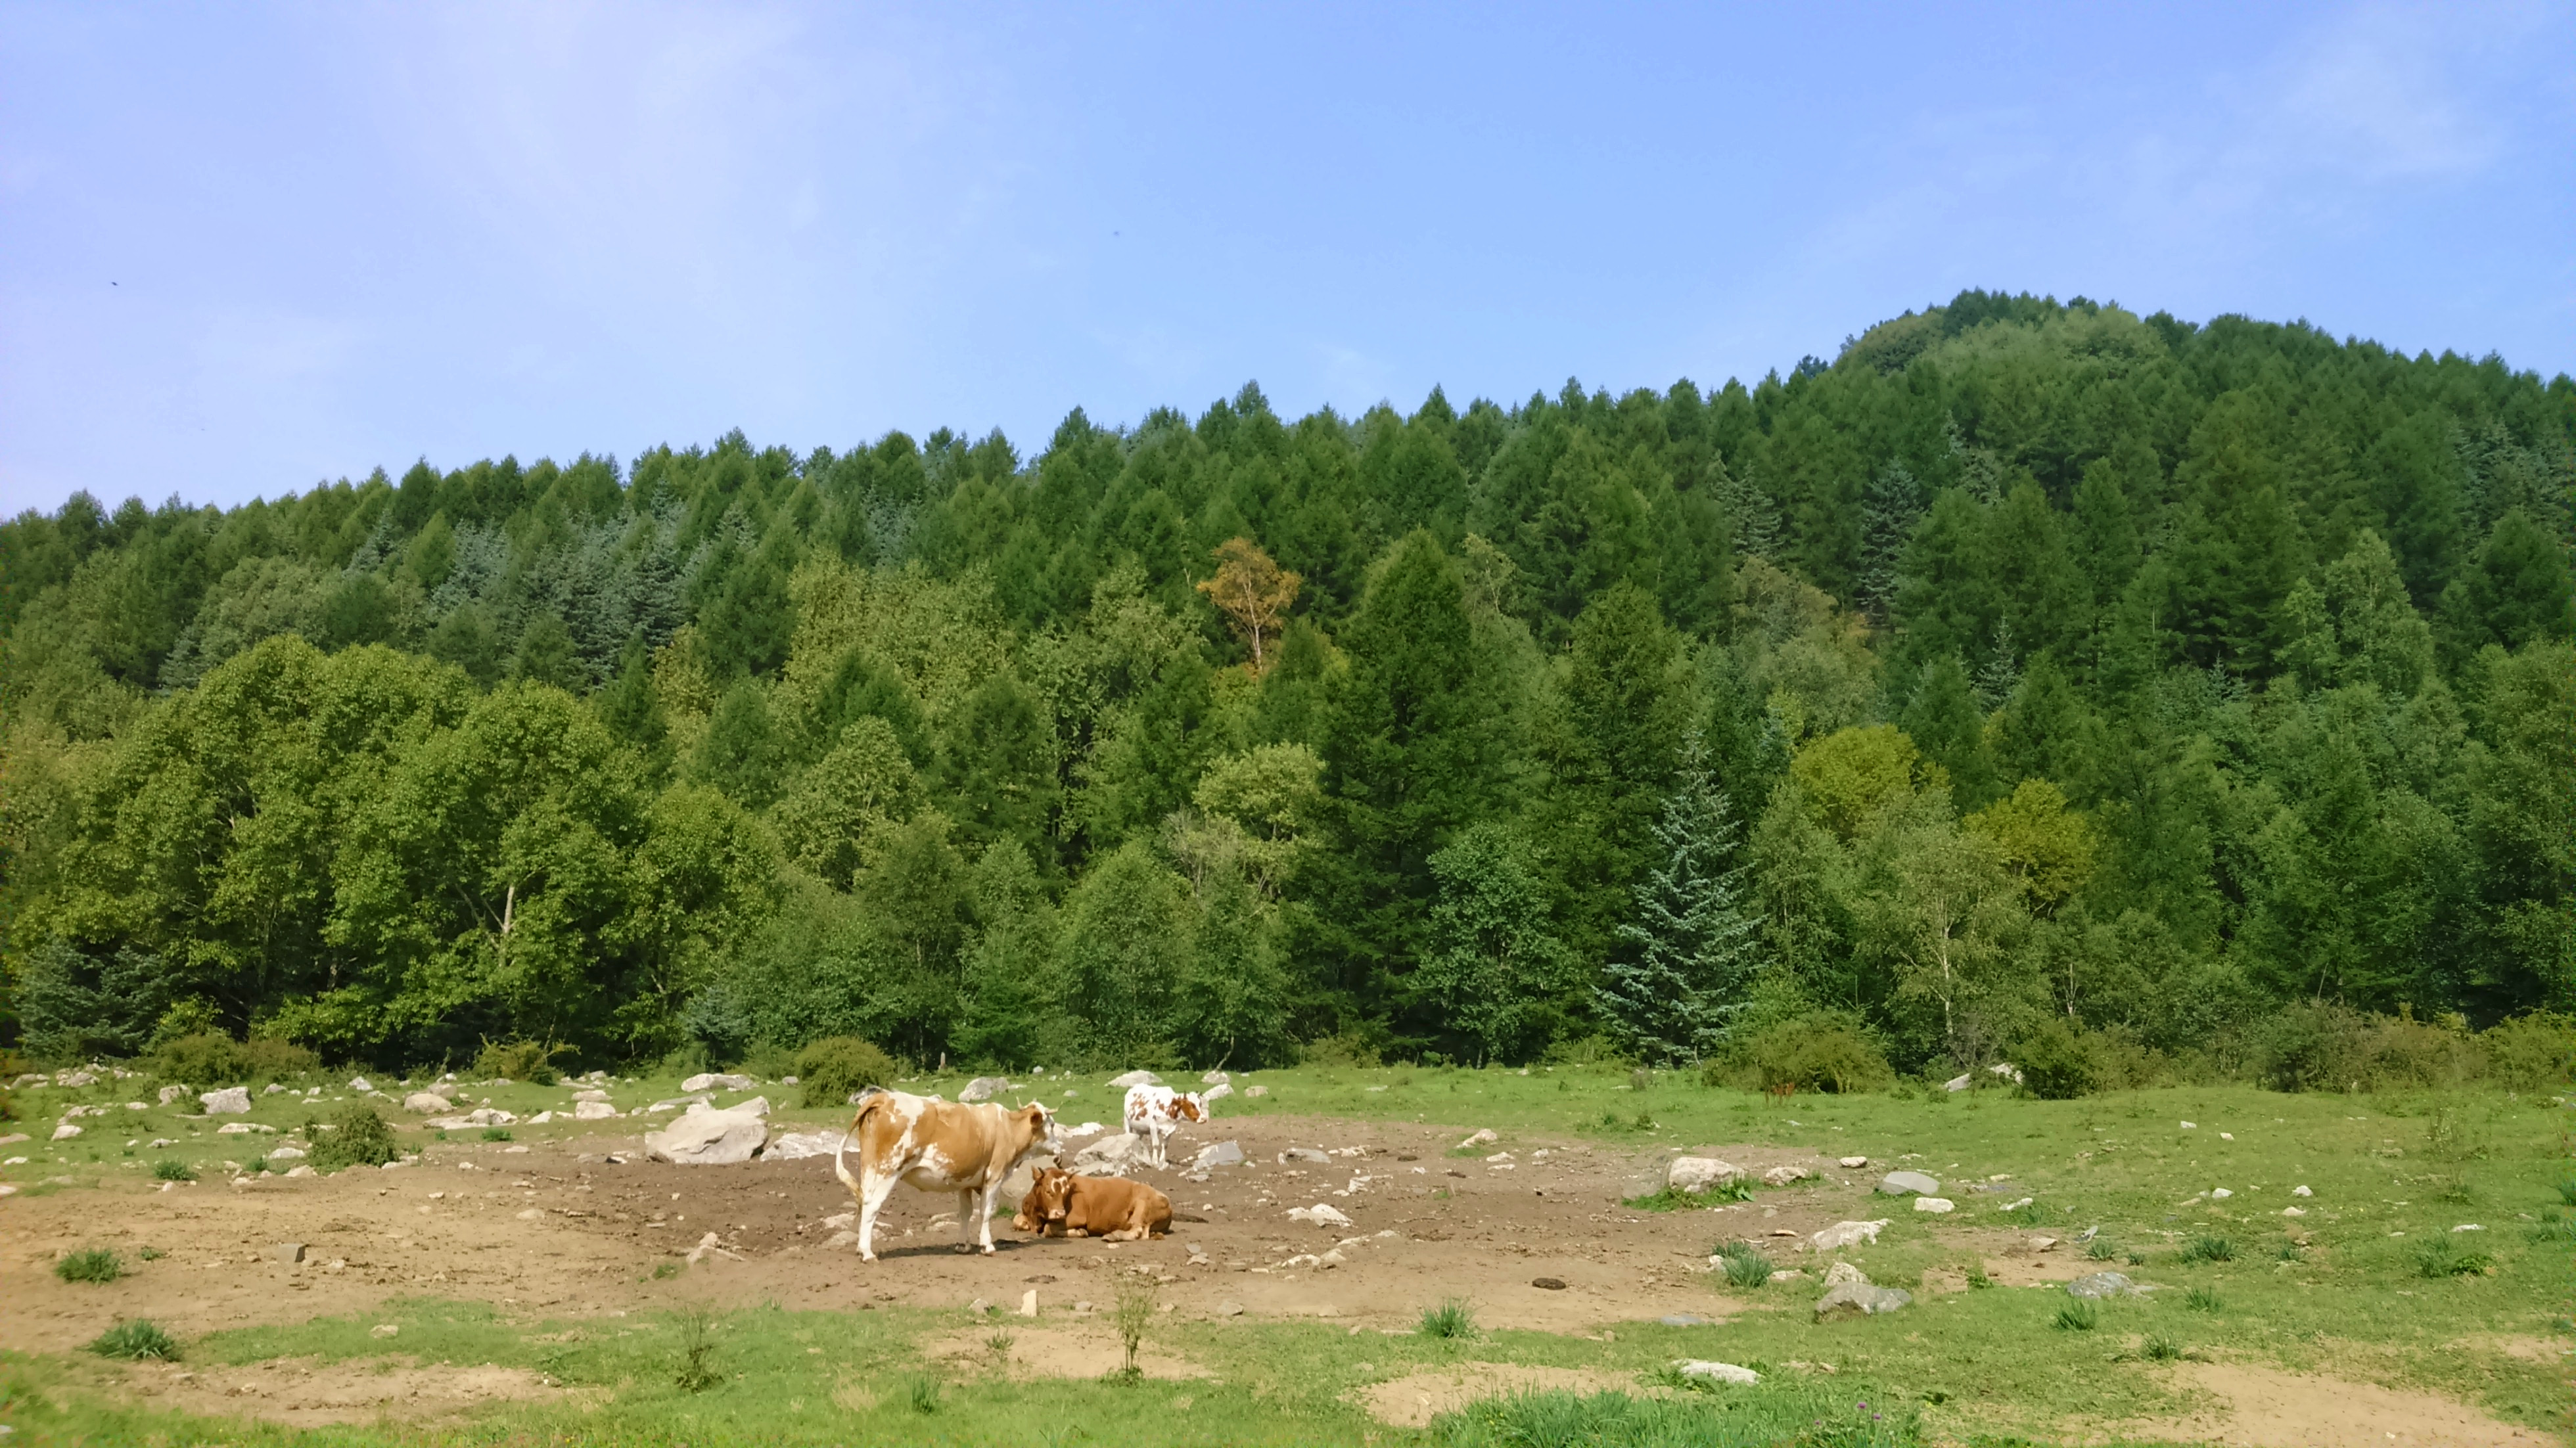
[[2311, 1047], [1818, 1051], [1745, 1265], [2533, 1052], [2055, 1063], [2443, 1256], [2078, 1316], [173, 1171], [95, 1264], [358, 1138], [1450, 1320], [833, 1068], [518, 1061], [2209, 1249], [137, 1340], [211, 1058]]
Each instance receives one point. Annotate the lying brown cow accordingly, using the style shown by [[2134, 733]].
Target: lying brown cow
[[1060, 1204], [937, 1146]]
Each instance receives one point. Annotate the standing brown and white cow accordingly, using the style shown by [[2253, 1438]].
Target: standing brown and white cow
[[937, 1146], [1155, 1112]]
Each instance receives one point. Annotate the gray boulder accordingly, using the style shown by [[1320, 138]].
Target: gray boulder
[[1843, 1274], [1136, 1078], [1699, 1173], [1307, 1154], [1214, 1078], [1718, 1372], [1908, 1184], [1108, 1156], [1223, 1153], [1858, 1299], [1216, 1093], [708, 1138], [2100, 1285], [983, 1088], [427, 1103], [231, 1101], [718, 1081]]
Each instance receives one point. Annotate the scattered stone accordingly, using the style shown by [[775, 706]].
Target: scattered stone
[[2191, 1126], [797, 1145], [385, 1329], [478, 1117], [270, 1090], [682, 1103], [1499, 1156], [709, 1138], [1305, 1153], [1218, 1092], [2220, 1194], [1029, 1303], [1256, 1091], [75, 1078], [1481, 1138], [589, 1093], [287, 1153], [843, 1238], [286, 1252], [983, 1088], [1785, 1274], [1958, 1083], [1223, 1153], [1718, 1372], [1135, 1078], [2294, 1211], [1846, 1234], [1908, 1184], [1699, 1173], [2006, 1070], [1082, 1309], [1088, 1128], [980, 1307], [1321, 1214], [65, 1131], [2043, 1244], [1229, 1308], [532, 1214], [2010, 1206], [297, 1171], [230, 1101], [1935, 1205], [2468, 1227], [361, 1083], [1215, 1078], [172, 1093], [427, 1103], [1852, 1163], [1854, 1299], [1548, 1284], [709, 1247], [2301, 1191], [1109, 1155], [719, 1081], [1844, 1273], [2102, 1284], [1781, 1176]]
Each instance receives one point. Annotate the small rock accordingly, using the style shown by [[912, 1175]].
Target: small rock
[[1214, 1078], [384, 1329], [271, 1089], [427, 1103], [1320, 1214], [172, 1093], [1305, 1153], [1548, 1284], [2043, 1244], [592, 1111], [1481, 1138], [1845, 1274], [709, 1138], [361, 1083], [230, 1101], [1256, 1090], [1935, 1205], [2301, 1191], [1785, 1274], [1029, 1303], [1109, 1155], [533, 1214], [1845, 1234], [1229, 1308], [1223, 1153], [1958, 1083], [1781, 1176], [2101, 1284], [297, 1171], [1908, 1184], [286, 1252], [2294, 1211], [1135, 1078], [1718, 1372], [718, 1081], [2468, 1227], [1699, 1173], [542, 1117], [2227, 1136], [1218, 1092], [2007, 1070], [1082, 1309], [1854, 1299], [65, 1131], [1852, 1163], [590, 1093], [2191, 1126], [982, 1088], [979, 1307]]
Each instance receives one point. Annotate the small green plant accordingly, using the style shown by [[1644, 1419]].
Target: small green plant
[[697, 1350], [1132, 1314], [2554, 1226], [1744, 1264], [2443, 1256], [94, 1264], [999, 1345], [151, 1254], [2137, 1259], [2160, 1348], [359, 1137], [2101, 1250], [1450, 1321], [2028, 1214], [924, 1396], [2078, 1316], [1977, 1276], [496, 1133], [2201, 1299], [173, 1171], [136, 1340], [2293, 1252], [1645, 1120], [2209, 1249], [664, 1271], [2567, 1191]]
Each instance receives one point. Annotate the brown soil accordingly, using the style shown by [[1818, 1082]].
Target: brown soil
[[1051, 1352], [2260, 1407], [304, 1393], [1413, 1400]]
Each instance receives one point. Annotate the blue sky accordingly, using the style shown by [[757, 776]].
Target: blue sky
[[246, 248]]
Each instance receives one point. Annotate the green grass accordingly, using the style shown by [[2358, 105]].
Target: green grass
[[2201, 1299], [2443, 1256], [93, 1264], [1744, 1265], [2209, 1249], [137, 1340], [2159, 1348], [1449, 1321], [1761, 1415], [2077, 1316], [169, 1170]]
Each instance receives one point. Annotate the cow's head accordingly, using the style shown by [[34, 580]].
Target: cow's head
[[1050, 1197], [1190, 1107]]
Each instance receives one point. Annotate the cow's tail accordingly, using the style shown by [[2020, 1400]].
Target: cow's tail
[[868, 1102]]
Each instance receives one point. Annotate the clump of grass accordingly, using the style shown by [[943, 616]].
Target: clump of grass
[[999, 1345], [1449, 1321], [2209, 1249], [1744, 1264], [2028, 1214], [2567, 1191], [2078, 1316], [2554, 1227], [2443, 1256], [924, 1395], [359, 1137], [1645, 1120], [2293, 1252], [2201, 1299], [496, 1133], [94, 1264], [2137, 1259], [138, 1341], [1132, 1314], [2101, 1249], [1977, 1276], [2160, 1348], [173, 1171], [697, 1371]]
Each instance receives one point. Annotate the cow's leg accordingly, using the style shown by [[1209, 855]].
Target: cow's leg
[[873, 1192], [984, 1213], [966, 1202]]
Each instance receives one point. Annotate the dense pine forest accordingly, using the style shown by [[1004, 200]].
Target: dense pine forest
[[2032, 678]]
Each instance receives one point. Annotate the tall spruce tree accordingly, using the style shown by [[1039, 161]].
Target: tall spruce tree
[[1692, 946], [1890, 508]]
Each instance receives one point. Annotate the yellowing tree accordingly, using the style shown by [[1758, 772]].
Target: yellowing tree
[[1253, 590]]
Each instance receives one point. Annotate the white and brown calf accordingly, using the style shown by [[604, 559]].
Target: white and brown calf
[[1155, 1112]]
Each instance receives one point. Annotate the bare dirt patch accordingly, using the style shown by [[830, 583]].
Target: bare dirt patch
[[1052, 1352], [2261, 1407], [1413, 1400], [304, 1393]]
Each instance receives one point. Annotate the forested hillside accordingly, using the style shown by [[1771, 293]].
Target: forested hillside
[[2028, 663]]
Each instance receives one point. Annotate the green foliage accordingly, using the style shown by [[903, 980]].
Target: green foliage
[[1740, 1419], [167, 1170], [2209, 1249], [355, 1137], [1449, 1321], [518, 1061], [2159, 1348], [2443, 1256], [1744, 1265], [137, 1341], [831, 1071], [90, 1264], [2201, 1299], [697, 1367], [2079, 1315], [2054, 1063], [1817, 1051], [215, 1060]]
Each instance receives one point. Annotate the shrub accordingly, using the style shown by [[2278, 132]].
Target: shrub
[[2055, 1064], [833, 1068], [358, 1138], [2160, 1348], [173, 1171], [518, 1061], [213, 1059], [2311, 1047], [1350, 1050], [2201, 1299], [1818, 1051], [496, 1133], [2209, 1249], [1744, 1264], [697, 1371], [138, 1340], [2443, 1256], [2100, 1249], [2078, 1316], [2533, 1052], [2567, 1191], [95, 1264], [1450, 1320]]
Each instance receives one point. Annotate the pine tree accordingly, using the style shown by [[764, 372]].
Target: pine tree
[[1756, 517], [1890, 508], [1694, 941]]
